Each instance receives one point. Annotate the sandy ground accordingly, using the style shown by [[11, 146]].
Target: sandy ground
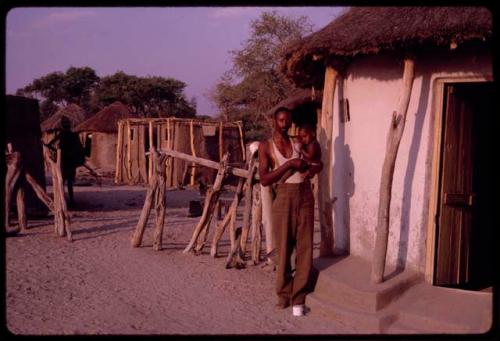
[[99, 284]]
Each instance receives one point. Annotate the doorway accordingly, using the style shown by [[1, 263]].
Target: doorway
[[464, 217]]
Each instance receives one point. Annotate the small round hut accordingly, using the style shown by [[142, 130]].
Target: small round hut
[[74, 113], [99, 134]]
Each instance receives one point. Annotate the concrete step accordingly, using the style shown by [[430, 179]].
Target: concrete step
[[401, 329], [360, 321], [346, 283], [432, 309]]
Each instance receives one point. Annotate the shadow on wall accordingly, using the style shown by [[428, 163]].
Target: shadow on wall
[[343, 183], [410, 175]]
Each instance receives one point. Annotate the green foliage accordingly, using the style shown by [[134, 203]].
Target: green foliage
[[147, 96], [254, 84], [58, 89]]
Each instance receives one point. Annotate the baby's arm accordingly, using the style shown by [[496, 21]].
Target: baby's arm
[[312, 154]]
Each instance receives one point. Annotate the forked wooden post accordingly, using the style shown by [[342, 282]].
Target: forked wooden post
[[393, 140], [325, 177], [156, 192], [210, 201], [221, 226], [256, 225], [247, 210], [13, 172]]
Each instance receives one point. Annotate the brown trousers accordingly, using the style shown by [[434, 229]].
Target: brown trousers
[[293, 224]]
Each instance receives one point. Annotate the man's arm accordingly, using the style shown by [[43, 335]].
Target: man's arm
[[268, 177]]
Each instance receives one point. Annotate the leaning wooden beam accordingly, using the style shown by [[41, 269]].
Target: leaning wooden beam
[[325, 177], [40, 193], [210, 201], [221, 226], [204, 162], [242, 143], [393, 140], [146, 208], [247, 210]]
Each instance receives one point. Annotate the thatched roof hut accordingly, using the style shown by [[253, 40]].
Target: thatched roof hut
[[99, 135], [371, 30], [73, 112], [427, 74], [106, 120]]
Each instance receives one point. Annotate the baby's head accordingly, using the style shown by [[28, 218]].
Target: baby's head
[[307, 133]]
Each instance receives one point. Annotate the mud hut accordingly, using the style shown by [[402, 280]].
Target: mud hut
[[427, 70], [203, 138], [74, 113], [99, 135], [22, 130]]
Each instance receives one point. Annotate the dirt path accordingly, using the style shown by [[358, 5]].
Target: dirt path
[[99, 284]]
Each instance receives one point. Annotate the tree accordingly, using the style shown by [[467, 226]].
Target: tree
[[58, 89], [146, 96], [254, 84]]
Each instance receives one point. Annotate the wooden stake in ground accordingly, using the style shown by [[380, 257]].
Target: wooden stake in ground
[[325, 177], [13, 160], [210, 202], [256, 225], [247, 210], [221, 226], [393, 140], [156, 191], [61, 215]]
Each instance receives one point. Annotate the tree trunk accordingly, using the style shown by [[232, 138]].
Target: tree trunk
[[393, 141], [325, 176]]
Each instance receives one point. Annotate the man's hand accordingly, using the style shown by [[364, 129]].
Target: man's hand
[[298, 164]]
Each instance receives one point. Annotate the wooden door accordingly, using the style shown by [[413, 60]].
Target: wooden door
[[463, 179]]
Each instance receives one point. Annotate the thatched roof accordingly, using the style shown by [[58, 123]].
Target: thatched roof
[[370, 30], [73, 112], [106, 120], [296, 98]]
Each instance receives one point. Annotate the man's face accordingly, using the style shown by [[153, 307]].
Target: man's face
[[283, 121]]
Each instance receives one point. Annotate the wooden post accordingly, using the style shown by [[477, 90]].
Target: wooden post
[[325, 177], [129, 151], [247, 210], [393, 140], [150, 157], [266, 197], [13, 172], [21, 207], [242, 143], [221, 141], [256, 225], [159, 201], [208, 209], [193, 152], [63, 206], [146, 208], [221, 226], [119, 154]]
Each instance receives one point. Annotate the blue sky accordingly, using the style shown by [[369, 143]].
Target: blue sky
[[191, 44]]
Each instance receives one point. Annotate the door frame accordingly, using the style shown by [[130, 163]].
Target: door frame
[[437, 140]]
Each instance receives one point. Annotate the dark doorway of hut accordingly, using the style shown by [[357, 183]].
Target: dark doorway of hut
[[464, 244]]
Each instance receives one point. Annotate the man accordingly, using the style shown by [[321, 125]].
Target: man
[[293, 211], [72, 154]]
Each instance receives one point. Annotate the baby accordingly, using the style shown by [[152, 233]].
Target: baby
[[310, 150]]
